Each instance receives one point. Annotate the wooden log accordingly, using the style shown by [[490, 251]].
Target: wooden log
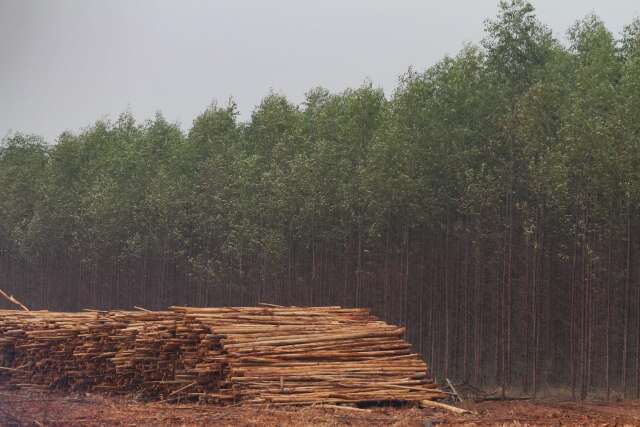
[[440, 405], [13, 300]]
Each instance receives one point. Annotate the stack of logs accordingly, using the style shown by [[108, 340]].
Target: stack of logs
[[267, 354]]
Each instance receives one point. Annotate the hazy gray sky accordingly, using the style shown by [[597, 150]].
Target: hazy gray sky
[[66, 63]]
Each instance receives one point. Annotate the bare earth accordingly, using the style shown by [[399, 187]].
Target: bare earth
[[54, 409]]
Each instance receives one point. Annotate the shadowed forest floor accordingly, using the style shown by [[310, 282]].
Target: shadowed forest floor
[[53, 409]]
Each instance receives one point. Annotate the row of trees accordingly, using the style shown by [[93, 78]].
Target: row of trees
[[490, 204]]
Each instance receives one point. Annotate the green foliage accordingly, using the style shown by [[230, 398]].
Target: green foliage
[[517, 44], [22, 162], [518, 118]]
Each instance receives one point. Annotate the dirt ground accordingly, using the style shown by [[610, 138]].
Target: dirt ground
[[18, 409]]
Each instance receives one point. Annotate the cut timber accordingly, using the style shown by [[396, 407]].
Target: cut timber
[[13, 300], [265, 354], [344, 408], [454, 391], [440, 405]]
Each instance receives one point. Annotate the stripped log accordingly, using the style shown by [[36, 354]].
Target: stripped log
[[13, 300]]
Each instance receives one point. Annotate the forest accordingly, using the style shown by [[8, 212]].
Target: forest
[[490, 203]]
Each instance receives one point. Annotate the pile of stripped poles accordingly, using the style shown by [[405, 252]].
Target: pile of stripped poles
[[265, 354]]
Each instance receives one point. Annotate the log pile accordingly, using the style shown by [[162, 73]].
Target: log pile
[[152, 354], [37, 346], [277, 355], [291, 355]]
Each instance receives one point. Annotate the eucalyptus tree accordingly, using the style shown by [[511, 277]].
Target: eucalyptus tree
[[589, 137], [22, 163], [542, 207], [208, 192], [627, 162], [517, 47], [268, 203]]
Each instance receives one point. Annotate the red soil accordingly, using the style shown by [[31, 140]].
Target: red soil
[[53, 409]]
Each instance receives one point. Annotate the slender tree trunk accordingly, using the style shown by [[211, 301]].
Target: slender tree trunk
[[638, 341], [538, 257], [525, 376], [507, 381], [405, 307], [625, 343], [359, 267], [466, 312], [432, 307], [583, 307], [572, 315], [608, 325], [386, 285], [503, 304], [422, 284], [446, 301], [477, 311]]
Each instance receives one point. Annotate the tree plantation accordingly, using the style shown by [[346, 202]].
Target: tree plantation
[[491, 205]]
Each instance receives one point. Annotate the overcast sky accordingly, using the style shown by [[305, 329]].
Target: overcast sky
[[64, 64]]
